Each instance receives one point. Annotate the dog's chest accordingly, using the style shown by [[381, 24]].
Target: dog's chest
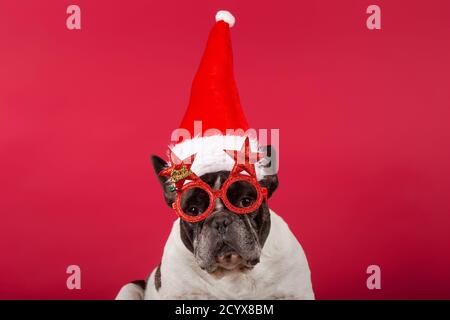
[[237, 286], [249, 285]]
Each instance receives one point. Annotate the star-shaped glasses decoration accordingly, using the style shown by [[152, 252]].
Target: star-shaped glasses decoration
[[244, 159], [179, 171]]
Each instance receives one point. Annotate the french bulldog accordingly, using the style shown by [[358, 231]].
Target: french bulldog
[[226, 256]]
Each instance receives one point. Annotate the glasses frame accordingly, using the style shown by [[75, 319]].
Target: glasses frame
[[235, 176]]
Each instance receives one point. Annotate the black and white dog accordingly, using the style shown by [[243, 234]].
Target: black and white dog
[[227, 256]]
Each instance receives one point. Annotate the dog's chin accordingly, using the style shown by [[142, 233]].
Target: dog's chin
[[229, 263], [226, 260], [223, 270]]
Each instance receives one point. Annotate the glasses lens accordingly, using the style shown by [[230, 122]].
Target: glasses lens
[[242, 194], [194, 201]]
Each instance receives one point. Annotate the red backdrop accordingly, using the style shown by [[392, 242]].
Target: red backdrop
[[364, 127]]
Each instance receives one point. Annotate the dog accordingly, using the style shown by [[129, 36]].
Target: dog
[[226, 256]]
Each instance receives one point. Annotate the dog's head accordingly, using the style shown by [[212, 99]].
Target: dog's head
[[224, 240]]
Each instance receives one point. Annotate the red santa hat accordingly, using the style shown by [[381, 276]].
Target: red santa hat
[[214, 117]]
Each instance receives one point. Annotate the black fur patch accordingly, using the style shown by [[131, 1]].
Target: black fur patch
[[158, 278], [140, 283]]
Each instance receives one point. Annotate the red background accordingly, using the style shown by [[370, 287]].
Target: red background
[[363, 116]]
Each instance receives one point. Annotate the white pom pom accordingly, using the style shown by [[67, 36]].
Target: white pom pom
[[225, 16]]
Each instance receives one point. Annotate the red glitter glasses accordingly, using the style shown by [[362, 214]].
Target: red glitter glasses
[[240, 193]]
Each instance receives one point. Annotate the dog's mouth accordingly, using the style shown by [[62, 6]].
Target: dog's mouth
[[229, 260]]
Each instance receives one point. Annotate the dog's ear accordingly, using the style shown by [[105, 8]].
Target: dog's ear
[[269, 165], [158, 165]]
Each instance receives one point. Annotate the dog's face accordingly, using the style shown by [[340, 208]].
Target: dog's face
[[224, 241]]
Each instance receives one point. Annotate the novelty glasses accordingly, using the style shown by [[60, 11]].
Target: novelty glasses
[[195, 200]]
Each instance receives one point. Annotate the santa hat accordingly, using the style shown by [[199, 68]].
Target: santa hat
[[214, 117]]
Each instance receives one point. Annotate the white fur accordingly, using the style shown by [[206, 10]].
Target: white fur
[[130, 291], [211, 156], [226, 16], [283, 272]]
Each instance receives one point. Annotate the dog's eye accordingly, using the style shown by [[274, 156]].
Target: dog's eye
[[193, 210], [246, 202]]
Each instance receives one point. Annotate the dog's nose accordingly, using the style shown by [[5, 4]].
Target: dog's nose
[[221, 222]]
